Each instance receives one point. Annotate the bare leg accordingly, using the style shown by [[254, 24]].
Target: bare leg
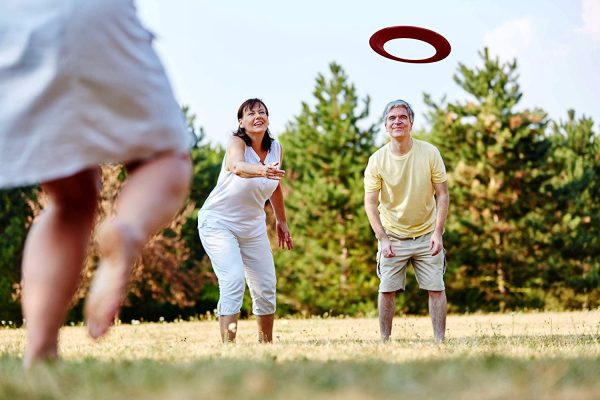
[[437, 310], [265, 328], [228, 325], [151, 196], [387, 309], [53, 258]]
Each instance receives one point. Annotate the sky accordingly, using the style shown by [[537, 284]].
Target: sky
[[219, 53]]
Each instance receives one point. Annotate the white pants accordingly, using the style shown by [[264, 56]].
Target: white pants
[[235, 259]]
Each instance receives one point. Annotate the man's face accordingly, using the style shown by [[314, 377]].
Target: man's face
[[397, 123]]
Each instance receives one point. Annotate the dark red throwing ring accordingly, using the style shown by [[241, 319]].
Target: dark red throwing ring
[[381, 37]]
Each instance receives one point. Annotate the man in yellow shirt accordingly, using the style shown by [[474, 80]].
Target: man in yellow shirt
[[406, 201]]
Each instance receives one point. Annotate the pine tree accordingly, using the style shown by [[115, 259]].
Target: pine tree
[[331, 269], [497, 158], [571, 273]]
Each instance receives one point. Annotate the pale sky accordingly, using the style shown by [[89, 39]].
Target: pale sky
[[219, 53]]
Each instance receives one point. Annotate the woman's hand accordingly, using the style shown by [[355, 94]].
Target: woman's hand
[[284, 236], [272, 171]]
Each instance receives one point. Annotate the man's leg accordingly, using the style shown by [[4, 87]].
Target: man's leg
[[392, 273], [437, 310], [429, 271], [387, 309], [53, 258], [151, 196]]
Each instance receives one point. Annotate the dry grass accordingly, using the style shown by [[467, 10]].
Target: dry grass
[[533, 355]]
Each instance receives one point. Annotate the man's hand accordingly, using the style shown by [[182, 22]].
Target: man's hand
[[435, 243], [386, 248]]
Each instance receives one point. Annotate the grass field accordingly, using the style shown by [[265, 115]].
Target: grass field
[[491, 356]]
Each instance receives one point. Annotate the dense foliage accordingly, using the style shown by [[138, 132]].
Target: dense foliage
[[521, 197], [16, 214], [326, 152]]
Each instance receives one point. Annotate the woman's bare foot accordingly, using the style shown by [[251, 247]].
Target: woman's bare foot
[[119, 245], [33, 357]]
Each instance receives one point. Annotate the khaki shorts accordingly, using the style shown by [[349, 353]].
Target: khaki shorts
[[429, 270]]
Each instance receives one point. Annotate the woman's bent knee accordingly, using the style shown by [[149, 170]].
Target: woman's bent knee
[[178, 171]]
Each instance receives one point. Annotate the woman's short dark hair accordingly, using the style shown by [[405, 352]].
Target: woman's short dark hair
[[241, 132]]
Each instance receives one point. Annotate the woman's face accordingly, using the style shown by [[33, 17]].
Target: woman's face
[[255, 119]]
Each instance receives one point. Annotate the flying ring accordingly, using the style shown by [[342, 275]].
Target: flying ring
[[381, 37]]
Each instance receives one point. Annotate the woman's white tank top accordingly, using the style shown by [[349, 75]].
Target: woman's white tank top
[[238, 204]]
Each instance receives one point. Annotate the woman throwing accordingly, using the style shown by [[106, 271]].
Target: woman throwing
[[232, 222]]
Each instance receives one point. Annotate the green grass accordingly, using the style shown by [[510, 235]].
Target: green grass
[[514, 356]]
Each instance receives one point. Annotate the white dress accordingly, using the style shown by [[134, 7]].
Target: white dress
[[80, 85]]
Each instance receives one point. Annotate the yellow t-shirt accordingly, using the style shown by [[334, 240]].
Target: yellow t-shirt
[[405, 186]]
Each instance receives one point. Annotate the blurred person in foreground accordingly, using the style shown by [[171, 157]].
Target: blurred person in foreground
[[406, 201], [80, 86]]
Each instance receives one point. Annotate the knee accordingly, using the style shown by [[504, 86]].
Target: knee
[[180, 174], [269, 286], [436, 293], [231, 296], [232, 289], [264, 297]]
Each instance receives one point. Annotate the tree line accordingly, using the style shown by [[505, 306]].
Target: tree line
[[523, 230]]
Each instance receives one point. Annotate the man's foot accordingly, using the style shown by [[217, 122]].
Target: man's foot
[[119, 246]]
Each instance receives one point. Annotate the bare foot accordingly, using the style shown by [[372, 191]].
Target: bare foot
[[119, 246], [32, 358]]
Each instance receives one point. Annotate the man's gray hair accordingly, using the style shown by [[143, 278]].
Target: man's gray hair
[[399, 103]]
